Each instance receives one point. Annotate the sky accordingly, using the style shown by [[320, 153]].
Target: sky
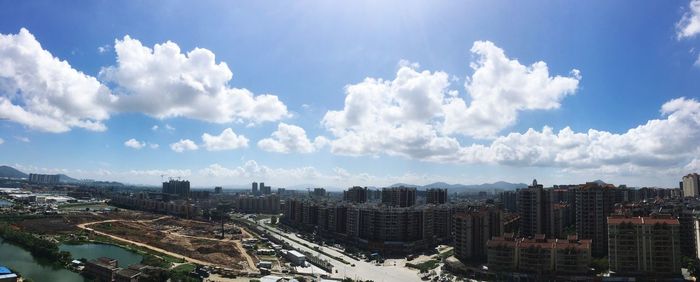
[[364, 93]]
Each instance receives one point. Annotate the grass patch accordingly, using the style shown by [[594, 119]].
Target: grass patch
[[425, 266], [184, 268], [447, 254]]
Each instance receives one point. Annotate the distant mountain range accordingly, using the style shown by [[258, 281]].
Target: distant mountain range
[[11, 172]]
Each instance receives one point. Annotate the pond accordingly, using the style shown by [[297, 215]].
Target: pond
[[93, 251], [36, 269]]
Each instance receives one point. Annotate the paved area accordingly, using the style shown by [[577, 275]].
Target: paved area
[[362, 270]]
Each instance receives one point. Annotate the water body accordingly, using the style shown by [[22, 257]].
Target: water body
[[32, 267], [93, 251]]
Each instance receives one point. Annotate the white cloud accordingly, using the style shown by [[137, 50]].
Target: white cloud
[[169, 128], [668, 143], [501, 87], [153, 145], [134, 144], [227, 140], [184, 145], [291, 138], [23, 139], [188, 84], [154, 128], [45, 93], [689, 25], [2, 141], [104, 48], [416, 114]]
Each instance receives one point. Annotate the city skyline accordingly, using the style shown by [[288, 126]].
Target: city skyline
[[364, 94]]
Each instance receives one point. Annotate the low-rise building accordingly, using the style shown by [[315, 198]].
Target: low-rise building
[[127, 275], [539, 255], [102, 269], [295, 257]]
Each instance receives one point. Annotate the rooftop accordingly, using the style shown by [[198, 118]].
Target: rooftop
[[615, 220]]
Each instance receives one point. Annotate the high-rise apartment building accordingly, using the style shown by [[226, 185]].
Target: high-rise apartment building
[[177, 187], [472, 229], [533, 207], [399, 196], [508, 201], [44, 178], [690, 185], [319, 193], [594, 203], [644, 245], [436, 196], [355, 194], [254, 189]]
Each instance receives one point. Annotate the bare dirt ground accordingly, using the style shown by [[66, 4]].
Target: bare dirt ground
[[67, 223], [195, 240]]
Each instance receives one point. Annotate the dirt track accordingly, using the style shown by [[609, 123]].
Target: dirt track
[[249, 260]]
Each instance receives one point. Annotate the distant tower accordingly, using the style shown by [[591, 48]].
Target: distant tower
[[255, 188]]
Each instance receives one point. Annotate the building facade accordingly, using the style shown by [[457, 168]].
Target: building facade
[[436, 196], [355, 194], [594, 203], [399, 196], [570, 256], [473, 229], [690, 185], [49, 179], [647, 246], [180, 188], [533, 207]]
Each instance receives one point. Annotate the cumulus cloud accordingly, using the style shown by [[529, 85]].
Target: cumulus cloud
[[188, 84], [227, 140], [2, 141], [670, 142], [134, 144], [184, 145], [291, 138], [689, 25], [44, 92], [500, 88], [416, 115]]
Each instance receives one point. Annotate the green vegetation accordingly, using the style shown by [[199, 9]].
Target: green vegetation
[[425, 266], [600, 265], [186, 268], [447, 254], [692, 264], [36, 246], [149, 259], [182, 273]]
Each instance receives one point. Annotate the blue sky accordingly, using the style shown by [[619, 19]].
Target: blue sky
[[610, 67]]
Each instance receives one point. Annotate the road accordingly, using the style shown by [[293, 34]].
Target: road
[[362, 270]]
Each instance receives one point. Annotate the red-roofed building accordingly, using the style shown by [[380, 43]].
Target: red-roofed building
[[539, 255], [644, 245]]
